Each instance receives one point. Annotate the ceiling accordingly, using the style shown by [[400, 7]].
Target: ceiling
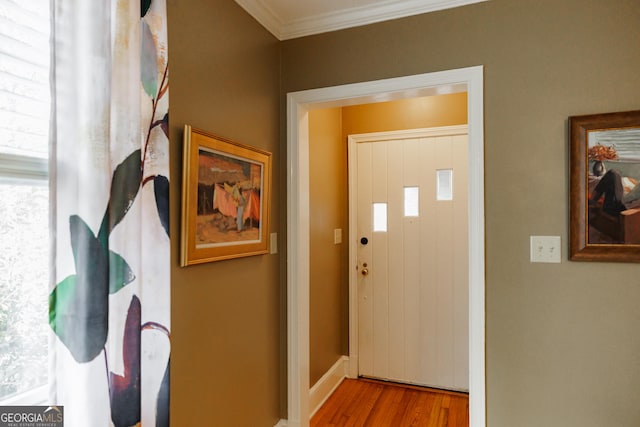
[[288, 19]]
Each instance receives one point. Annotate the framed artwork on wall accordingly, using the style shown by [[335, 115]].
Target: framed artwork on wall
[[225, 199], [605, 187]]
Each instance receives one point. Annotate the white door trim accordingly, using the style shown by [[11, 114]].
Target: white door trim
[[352, 140], [298, 104]]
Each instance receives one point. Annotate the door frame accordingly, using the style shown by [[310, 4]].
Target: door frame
[[298, 105], [352, 141]]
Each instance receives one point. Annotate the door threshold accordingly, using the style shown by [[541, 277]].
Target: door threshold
[[414, 386]]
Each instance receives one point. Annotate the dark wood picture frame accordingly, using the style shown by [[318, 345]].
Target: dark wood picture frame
[[226, 191], [604, 167]]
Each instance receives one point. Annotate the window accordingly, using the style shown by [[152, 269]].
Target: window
[[24, 200], [380, 217], [411, 201], [445, 184]]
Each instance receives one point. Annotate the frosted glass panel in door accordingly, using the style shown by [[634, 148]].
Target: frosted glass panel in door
[[411, 201]]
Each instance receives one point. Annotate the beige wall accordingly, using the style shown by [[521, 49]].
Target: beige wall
[[328, 198], [328, 287], [413, 113], [226, 316], [562, 339]]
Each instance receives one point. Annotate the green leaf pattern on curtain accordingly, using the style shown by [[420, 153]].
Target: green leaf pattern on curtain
[[124, 188], [144, 7], [79, 308], [161, 192], [148, 64], [79, 305]]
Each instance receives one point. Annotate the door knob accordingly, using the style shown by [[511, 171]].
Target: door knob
[[365, 272]]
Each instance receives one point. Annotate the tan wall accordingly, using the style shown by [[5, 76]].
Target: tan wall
[[328, 287], [562, 339], [328, 198], [414, 113], [226, 320]]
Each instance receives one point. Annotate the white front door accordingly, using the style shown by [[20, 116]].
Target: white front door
[[413, 259]]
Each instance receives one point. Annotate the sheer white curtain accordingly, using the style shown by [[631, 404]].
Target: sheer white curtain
[[109, 306]]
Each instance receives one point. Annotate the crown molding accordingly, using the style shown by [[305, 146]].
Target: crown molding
[[264, 15], [346, 18]]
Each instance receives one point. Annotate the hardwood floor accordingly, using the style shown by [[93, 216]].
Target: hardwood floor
[[369, 403]]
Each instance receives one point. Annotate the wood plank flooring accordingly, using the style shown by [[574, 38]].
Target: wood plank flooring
[[368, 403]]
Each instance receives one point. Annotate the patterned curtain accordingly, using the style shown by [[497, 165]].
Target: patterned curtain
[[109, 306]]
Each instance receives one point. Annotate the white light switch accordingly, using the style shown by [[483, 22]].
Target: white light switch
[[545, 249], [337, 236]]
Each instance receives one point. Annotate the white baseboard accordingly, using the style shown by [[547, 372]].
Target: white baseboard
[[326, 385]]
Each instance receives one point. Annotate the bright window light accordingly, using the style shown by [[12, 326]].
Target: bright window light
[[380, 217], [411, 201], [24, 277], [24, 200], [445, 184]]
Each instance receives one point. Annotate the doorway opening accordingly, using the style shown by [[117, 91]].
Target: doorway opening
[[468, 80]]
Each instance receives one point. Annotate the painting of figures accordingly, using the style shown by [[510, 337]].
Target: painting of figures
[[604, 187], [228, 199], [613, 190], [225, 199]]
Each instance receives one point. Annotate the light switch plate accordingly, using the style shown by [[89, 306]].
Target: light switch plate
[[273, 243], [337, 236], [545, 249]]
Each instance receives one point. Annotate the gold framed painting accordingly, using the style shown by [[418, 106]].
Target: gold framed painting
[[225, 199], [605, 187]]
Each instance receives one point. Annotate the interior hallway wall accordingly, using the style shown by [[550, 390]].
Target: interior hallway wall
[[328, 274], [226, 315], [562, 342], [412, 113]]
